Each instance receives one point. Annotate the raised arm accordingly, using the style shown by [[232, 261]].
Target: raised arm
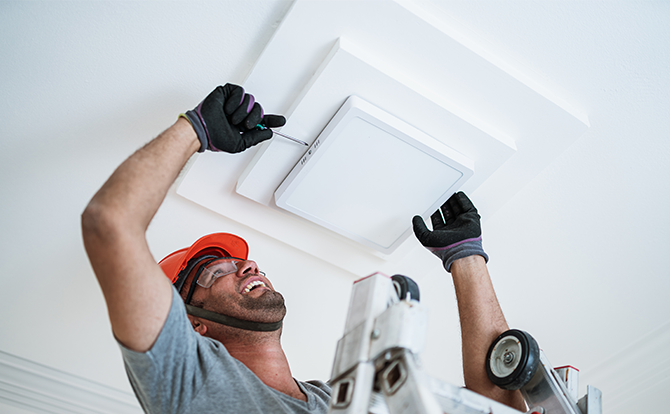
[[456, 240], [114, 223]]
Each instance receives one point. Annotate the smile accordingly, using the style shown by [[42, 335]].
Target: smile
[[253, 285]]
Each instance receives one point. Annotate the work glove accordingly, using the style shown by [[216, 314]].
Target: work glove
[[456, 231], [230, 120]]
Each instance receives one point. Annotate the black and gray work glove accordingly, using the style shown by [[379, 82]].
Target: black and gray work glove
[[230, 120], [456, 231]]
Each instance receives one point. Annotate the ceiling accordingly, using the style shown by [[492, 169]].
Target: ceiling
[[576, 253]]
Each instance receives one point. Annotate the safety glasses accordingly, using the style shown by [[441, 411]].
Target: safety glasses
[[217, 269]]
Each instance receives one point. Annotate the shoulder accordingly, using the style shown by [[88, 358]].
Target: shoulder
[[169, 376]]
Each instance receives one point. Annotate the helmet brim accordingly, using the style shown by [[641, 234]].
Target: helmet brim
[[218, 244]]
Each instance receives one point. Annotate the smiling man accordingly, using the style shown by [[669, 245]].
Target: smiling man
[[206, 338], [224, 353], [228, 347]]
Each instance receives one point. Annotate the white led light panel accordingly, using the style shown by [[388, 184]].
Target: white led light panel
[[368, 173]]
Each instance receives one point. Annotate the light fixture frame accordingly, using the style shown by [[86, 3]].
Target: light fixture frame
[[455, 170]]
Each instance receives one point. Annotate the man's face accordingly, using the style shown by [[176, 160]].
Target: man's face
[[238, 289]]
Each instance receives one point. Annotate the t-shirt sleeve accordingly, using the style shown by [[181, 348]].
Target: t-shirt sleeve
[[167, 377]]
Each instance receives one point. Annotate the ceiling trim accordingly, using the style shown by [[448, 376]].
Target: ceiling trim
[[36, 387], [646, 366]]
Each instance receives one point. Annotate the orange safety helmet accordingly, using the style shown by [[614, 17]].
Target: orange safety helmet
[[210, 247], [217, 244]]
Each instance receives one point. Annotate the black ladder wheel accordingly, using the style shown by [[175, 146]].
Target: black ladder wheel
[[512, 359], [404, 285]]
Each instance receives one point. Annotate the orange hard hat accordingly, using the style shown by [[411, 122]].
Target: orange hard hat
[[217, 244]]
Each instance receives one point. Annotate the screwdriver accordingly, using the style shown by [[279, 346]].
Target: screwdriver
[[261, 126]]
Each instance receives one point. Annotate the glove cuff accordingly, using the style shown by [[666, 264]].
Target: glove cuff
[[465, 248], [199, 127]]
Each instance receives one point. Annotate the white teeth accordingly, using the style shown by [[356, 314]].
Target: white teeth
[[253, 285]]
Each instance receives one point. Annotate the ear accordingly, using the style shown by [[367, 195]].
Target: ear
[[197, 325]]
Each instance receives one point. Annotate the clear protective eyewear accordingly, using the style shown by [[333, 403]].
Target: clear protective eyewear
[[217, 269]]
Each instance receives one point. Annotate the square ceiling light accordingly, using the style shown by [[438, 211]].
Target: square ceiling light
[[368, 173]]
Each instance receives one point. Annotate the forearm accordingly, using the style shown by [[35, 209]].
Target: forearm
[[482, 321], [135, 191]]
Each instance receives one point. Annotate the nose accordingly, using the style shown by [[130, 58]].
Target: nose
[[247, 267]]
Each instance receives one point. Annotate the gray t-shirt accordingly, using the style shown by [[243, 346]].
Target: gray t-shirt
[[185, 372]]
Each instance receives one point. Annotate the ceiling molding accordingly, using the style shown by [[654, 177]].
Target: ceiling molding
[[38, 388], [638, 369]]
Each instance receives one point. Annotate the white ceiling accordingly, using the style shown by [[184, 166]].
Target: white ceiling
[[459, 93], [576, 255]]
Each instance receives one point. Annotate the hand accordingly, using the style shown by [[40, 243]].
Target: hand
[[226, 120], [456, 231]]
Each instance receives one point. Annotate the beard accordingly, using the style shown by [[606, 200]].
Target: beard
[[269, 300], [268, 307]]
